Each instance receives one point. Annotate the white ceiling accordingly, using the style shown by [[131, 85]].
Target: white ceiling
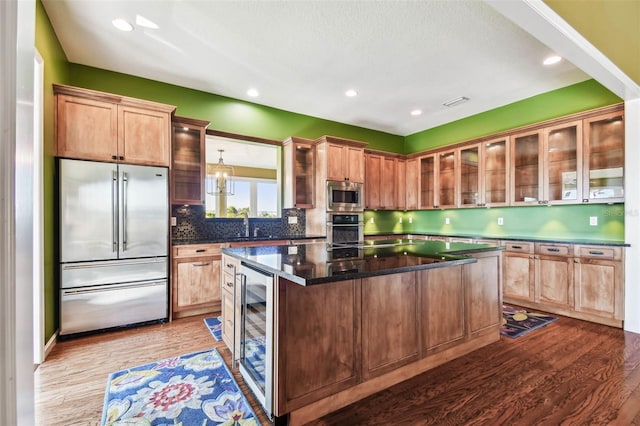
[[241, 153], [303, 55]]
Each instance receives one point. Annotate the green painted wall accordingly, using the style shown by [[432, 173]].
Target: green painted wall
[[55, 71], [611, 26], [567, 100], [227, 114], [555, 222]]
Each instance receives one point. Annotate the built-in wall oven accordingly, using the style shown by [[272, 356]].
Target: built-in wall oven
[[344, 196], [256, 334], [343, 228]]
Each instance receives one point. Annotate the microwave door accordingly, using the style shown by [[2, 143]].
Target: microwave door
[[88, 194], [144, 211]]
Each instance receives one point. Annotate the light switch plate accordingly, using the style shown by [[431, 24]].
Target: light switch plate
[[447, 221], [174, 221], [593, 220], [293, 220], [500, 221]]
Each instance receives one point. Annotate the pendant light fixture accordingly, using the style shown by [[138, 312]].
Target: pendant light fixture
[[220, 178]]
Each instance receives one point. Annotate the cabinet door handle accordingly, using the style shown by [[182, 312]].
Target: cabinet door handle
[[599, 253], [200, 250], [201, 264], [553, 250], [516, 247]]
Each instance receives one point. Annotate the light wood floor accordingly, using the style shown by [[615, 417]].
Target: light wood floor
[[570, 372]]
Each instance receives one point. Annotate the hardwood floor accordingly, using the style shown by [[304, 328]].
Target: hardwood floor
[[570, 372]]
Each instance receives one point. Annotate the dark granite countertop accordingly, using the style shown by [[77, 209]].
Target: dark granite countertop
[[514, 238], [314, 263], [249, 239]]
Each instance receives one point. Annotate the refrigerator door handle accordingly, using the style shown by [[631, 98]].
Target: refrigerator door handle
[[114, 212], [125, 183]]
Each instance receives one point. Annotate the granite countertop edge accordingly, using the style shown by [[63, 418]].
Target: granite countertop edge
[[223, 240], [512, 238]]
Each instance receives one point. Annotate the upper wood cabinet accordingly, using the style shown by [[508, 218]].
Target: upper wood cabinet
[[91, 125], [385, 182], [345, 159], [547, 165], [412, 183], [484, 174], [603, 176], [438, 180], [188, 161], [299, 173]]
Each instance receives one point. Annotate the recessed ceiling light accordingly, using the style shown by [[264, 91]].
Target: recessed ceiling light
[[122, 25], [456, 101], [351, 93], [416, 112], [552, 60], [144, 22], [253, 93]]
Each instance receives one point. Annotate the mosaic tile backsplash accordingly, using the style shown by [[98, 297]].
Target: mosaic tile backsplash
[[193, 226]]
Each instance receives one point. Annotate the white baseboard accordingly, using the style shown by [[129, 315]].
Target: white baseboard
[[50, 345]]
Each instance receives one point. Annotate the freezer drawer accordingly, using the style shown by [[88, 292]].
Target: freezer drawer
[[94, 308], [86, 274]]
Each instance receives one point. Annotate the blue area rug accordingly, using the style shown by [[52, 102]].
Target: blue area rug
[[255, 353], [215, 327], [193, 389], [516, 322]]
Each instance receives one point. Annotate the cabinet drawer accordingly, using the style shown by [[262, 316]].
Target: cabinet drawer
[[554, 249], [599, 252], [230, 265], [227, 282], [519, 246], [197, 250]]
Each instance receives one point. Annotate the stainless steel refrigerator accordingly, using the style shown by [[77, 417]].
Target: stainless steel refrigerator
[[113, 235]]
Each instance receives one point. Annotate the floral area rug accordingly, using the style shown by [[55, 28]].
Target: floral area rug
[[516, 322], [194, 389], [215, 327]]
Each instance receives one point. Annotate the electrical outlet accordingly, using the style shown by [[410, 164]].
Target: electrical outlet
[[500, 221], [447, 221], [410, 220], [371, 220], [174, 221], [593, 220], [400, 220], [293, 220]]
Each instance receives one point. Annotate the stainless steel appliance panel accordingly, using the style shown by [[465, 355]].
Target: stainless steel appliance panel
[[86, 274], [144, 211], [344, 196], [256, 347], [88, 221], [93, 308]]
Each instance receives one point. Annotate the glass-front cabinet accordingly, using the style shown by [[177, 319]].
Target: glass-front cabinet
[[526, 177], [562, 173], [427, 199], [438, 180], [484, 174], [603, 178], [299, 173], [187, 159]]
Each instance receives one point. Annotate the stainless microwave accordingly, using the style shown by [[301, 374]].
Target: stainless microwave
[[344, 196]]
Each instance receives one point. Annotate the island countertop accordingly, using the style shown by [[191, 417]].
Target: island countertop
[[314, 263]]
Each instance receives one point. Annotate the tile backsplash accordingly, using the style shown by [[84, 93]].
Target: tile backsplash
[[193, 226]]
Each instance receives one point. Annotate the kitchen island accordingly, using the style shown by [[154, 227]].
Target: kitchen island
[[342, 324]]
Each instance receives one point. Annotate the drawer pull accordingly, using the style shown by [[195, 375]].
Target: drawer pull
[[200, 250], [229, 284], [599, 253], [516, 247], [201, 264], [229, 265], [553, 250]]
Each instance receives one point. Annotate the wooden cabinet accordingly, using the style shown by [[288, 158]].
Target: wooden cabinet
[[519, 271], [195, 279], [484, 174], [483, 290], [526, 175], [385, 182], [188, 161], [389, 303], [345, 159], [412, 183], [438, 180], [599, 282], [603, 177], [91, 125], [442, 306], [299, 173], [554, 275], [231, 306]]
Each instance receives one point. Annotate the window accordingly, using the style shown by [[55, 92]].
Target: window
[[256, 197]]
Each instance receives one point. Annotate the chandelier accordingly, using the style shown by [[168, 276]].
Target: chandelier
[[220, 178]]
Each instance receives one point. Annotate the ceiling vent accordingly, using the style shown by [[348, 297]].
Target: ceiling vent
[[456, 101]]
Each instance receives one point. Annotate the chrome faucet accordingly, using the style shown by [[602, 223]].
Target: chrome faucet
[[245, 222]]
